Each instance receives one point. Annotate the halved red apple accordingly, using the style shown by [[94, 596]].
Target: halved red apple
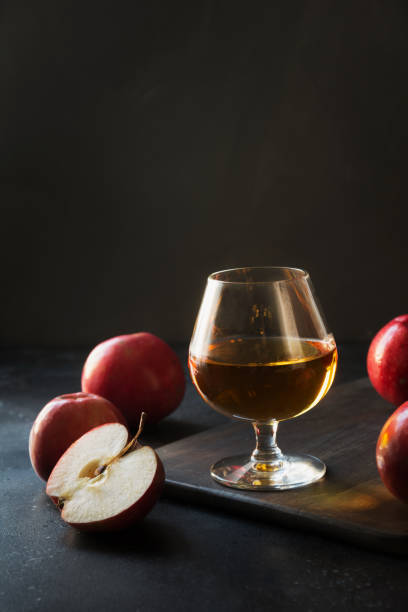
[[103, 483]]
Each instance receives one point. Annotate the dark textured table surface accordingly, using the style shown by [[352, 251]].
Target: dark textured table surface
[[181, 557]]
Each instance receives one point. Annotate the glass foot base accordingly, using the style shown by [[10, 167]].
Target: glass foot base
[[241, 473]]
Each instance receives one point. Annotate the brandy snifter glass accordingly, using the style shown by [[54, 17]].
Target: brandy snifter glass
[[261, 352]]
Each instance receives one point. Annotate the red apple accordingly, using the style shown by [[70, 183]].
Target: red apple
[[392, 453], [62, 421], [137, 372], [101, 483], [387, 361]]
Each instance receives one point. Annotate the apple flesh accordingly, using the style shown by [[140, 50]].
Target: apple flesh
[[138, 373], [392, 453], [387, 361], [62, 421], [99, 489]]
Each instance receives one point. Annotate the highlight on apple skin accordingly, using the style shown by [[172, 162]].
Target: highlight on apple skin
[[100, 484], [62, 421], [136, 372], [392, 453], [387, 361]]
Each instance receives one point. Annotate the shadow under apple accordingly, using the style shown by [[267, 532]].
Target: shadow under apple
[[151, 538]]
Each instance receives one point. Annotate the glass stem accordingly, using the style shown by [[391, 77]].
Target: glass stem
[[267, 455]]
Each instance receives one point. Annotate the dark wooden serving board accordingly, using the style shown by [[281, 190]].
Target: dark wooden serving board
[[350, 502]]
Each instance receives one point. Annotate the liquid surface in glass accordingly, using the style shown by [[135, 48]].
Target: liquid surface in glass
[[264, 379]]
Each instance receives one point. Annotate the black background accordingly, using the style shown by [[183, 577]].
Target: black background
[[146, 144]]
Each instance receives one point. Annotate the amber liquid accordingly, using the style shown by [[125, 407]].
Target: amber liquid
[[264, 379]]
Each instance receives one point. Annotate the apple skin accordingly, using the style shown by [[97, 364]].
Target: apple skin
[[136, 372], [392, 453], [62, 421], [387, 361]]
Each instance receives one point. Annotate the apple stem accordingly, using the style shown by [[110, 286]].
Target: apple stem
[[133, 441], [128, 448], [142, 421]]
